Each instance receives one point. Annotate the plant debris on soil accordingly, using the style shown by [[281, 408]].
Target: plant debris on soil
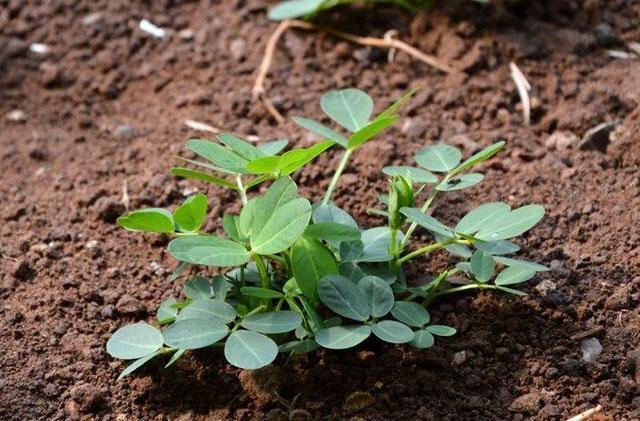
[[91, 122]]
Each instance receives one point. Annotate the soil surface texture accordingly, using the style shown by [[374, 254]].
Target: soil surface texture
[[101, 112]]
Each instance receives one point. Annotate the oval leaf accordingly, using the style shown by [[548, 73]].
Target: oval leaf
[[134, 341], [198, 288], [343, 297], [481, 156], [194, 333], [250, 350], [166, 312], [473, 221], [260, 292], [137, 364], [428, 222], [422, 339], [190, 215], [148, 220], [213, 310], [410, 313], [482, 266], [507, 261], [332, 231], [497, 247], [321, 129], [378, 294], [392, 331], [351, 108], [272, 322], [208, 250], [514, 275], [292, 9], [512, 224], [441, 330], [342, 337], [310, 262], [439, 158]]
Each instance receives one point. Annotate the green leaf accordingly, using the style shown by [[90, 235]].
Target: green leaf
[[422, 339], [175, 357], [313, 318], [299, 347], [220, 287], [213, 310], [507, 261], [370, 130], [321, 129], [464, 266], [351, 271], [298, 158], [190, 215], [351, 250], [148, 220], [166, 313], [310, 262], [260, 292], [198, 288], [351, 108], [332, 213], [272, 322], [418, 175], [342, 337], [202, 176], [376, 244], [378, 295], [514, 275], [231, 225], [292, 9], [282, 228], [343, 297], [392, 331], [497, 247], [137, 364], [481, 156], [460, 182], [194, 333], [264, 165], [410, 313], [512, 224], [439, 158], [272, 148], [475, 220], [428, 222], [482, 266], [441, 330], [218, 155], [134, 341], [241, 147], [248, 213], [208, 250], [332, 231], [250, 350]]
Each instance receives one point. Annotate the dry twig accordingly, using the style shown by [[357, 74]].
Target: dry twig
[[586, 414], [388, 42], [523, 90]]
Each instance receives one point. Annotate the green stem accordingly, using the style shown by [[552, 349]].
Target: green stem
[[336, 176], [427, 249], [463, 288], [279, 305], [433, 287], [265, 282], [241, 189], [258, 309]]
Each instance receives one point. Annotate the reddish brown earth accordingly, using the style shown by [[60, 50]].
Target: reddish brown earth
[[69, 277]]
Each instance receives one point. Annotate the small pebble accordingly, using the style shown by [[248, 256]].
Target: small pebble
[[591, 349], [17, 116], [124, 132]]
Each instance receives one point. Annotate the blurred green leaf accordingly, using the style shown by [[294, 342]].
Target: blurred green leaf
[[148, 220]]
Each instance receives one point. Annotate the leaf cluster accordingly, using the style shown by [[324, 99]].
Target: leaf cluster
[[294, 275]]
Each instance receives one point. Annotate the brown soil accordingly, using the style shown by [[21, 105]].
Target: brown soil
[[69, 276]]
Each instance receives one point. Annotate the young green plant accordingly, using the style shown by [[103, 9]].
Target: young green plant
[[295, 276]]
